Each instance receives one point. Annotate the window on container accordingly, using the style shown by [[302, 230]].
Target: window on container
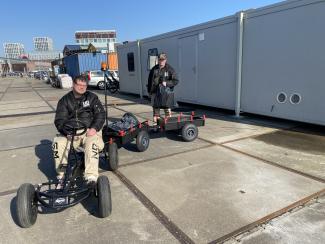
[[130, 57], [152, 58]]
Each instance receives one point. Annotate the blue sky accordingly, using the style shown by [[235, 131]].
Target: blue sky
[[22, 20]]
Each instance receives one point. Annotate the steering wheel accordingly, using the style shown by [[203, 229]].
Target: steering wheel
[[70, 127]]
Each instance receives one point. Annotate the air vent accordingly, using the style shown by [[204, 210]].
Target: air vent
[[295, 98], [282, 97]]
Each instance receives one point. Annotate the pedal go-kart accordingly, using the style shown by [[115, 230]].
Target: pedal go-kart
[[74, 188]]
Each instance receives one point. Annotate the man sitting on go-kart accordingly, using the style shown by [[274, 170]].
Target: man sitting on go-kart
[[85, 106]]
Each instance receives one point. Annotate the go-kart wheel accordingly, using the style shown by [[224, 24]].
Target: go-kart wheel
[[104, 197], [26, 207], [113, 156], [143, 141], [189, 132]]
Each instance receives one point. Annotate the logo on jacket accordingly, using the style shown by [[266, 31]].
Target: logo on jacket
[[85, 104]]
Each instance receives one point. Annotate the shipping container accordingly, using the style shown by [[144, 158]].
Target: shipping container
[[77, 64], [112, 61]]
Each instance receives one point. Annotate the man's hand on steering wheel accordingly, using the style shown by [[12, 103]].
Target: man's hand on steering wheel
[[91, 132]]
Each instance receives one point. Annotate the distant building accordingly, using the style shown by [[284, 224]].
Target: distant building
[[42, 44], [13, 50], [44, 50], [104, 39], [42, 56]]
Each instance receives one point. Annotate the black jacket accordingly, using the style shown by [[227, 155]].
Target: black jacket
[[87, 108], [157, 76]]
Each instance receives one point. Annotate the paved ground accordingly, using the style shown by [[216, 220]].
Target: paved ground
[[249, 180]]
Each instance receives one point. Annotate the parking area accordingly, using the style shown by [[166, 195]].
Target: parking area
[[250, 179]]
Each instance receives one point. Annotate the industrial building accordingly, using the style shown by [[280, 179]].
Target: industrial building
[[100, 38], [43, 44]]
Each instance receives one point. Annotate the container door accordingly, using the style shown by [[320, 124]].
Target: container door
[[188, 71]]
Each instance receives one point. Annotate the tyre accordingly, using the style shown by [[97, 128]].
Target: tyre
[[101, 85], [189, 132], [26, 207], [104, 197], [112, 89], [142, 141], [113, 156]]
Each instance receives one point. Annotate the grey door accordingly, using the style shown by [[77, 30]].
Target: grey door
[[188, 72]]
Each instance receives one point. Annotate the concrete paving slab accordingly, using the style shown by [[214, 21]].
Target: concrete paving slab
[[22, 105], [305, 225], [24, 137], [299, 151], [19, 89], [161, 145], [18, 96], [26, 165], [130, 222], [12, 102], [114, 113], [220, 131], [115, 100], [19, 82], [52, 94], [4, 84], [136, 108], [211, 192], [26, 121], [54, 104], [26, 110]]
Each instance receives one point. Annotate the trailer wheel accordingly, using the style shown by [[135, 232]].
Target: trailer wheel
[[26, 207], [101, 85], [104, 197], [113, 156], [189, 132], [143, 141]]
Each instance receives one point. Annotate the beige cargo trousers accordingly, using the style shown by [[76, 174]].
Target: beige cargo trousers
[[92, 145]]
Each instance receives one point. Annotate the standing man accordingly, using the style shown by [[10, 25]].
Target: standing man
[[162, 76], [85, 106]]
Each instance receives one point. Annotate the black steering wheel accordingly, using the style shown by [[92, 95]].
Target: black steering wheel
[[70, 127]]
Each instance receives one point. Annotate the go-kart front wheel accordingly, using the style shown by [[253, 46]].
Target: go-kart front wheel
[[26, 207], [104, 197], [113, 156]]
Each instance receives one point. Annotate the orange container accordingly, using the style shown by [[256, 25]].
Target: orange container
[[112, 61]]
